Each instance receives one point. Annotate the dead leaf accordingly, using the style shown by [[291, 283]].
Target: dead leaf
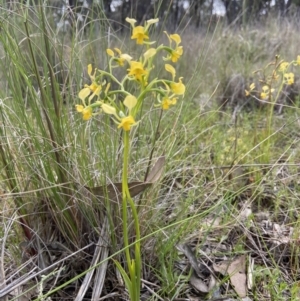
[[198, 283], [187, 251], [236, 270], [156, 171], [214, 286], [113, 191]]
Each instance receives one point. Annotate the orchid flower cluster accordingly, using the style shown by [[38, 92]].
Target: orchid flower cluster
[[97, 97], [279, 77]]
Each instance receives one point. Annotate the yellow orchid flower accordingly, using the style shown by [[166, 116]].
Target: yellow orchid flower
[[120, 58], [137, 70], [140, 33], [126, 123], [178, 51], [289, 78], [85, 111], [266, 92], [94, 87], [173, 88], [175, 53], [178, 88], [167, 102], [251, 88], [283, 66]]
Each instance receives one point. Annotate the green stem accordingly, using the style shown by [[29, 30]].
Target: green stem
[[113, 78], [134, 266], [124, 198]]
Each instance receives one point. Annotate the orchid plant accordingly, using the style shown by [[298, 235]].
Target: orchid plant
[[98, 98], [274, 78]]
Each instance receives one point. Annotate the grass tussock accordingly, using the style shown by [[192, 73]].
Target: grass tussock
[[229, 187]]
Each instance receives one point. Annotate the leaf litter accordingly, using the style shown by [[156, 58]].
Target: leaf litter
[[243, 256]]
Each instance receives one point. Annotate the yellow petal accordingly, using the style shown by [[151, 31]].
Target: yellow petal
[[79, 108], [107, 88], [90, 69], [131, 21], [108, 109], [118, 51], [110, 52], [152, 21], [126, 57], [149, 53], [176, 38], [87, 113], [167, 35], [166, 102], [98, 90], [252, 86], [179, 50], [84, 93], [137, 70], [170, 69], [130, 101]]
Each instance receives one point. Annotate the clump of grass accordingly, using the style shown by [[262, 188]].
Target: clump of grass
[[46, 156]]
